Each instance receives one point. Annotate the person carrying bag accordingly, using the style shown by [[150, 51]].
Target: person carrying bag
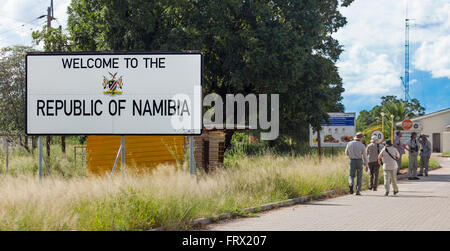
[[390, 156]]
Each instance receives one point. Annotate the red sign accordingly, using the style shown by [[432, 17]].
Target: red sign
[[407, 124]]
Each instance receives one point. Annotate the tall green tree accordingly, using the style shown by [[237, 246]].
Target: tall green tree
[[12, 94], [390, 105], [268, 46]]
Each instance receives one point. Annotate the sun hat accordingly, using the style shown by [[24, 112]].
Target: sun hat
[[374, 138], [359, 135]]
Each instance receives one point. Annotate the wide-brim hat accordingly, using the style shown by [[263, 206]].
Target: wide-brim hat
[[374, 138]]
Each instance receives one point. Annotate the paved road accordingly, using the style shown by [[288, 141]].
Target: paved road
[[420, 205]]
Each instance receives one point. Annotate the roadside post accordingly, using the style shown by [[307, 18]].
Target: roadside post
[[393, 127], [7, 155], [319, 145], [40, 158]]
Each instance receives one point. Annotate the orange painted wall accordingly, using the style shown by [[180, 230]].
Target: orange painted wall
[[141, 152]]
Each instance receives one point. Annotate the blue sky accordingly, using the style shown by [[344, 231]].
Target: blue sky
[[373, 40], [373, 60]]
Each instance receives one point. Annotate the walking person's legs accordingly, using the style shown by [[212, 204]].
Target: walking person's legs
[[387, 181], [414, 165], [422, 165], [359, 174], [426, 166], [410, 165], [394, 181], [351, 176], [377, 172], [372, 181], [399, 164]]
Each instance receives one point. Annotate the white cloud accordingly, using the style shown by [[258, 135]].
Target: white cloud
[[434, 57], [373, 39], [369, 73], [18, 19]]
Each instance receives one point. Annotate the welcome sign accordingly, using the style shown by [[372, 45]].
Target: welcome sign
[[114, 93]]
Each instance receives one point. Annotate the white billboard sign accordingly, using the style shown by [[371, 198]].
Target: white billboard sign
[[114, 93], [338, 132]]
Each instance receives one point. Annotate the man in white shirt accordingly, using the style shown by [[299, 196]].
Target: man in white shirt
[[390, 156], [356, 151]]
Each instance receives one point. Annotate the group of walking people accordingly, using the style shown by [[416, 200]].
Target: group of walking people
[[389, 155]]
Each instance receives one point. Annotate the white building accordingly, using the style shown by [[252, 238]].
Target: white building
[[437, 126]]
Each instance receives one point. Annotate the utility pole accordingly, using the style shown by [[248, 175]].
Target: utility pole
[[50, 16]]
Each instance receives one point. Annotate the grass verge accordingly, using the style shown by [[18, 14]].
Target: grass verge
[[168, 197]]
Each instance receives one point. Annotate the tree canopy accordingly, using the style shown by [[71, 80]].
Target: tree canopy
[[368, 121], [268, 46], [12, 93]]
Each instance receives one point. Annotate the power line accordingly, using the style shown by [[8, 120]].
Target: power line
[[18, 26], [16, 30]]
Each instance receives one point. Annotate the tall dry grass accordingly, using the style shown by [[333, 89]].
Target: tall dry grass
[[167, 197]]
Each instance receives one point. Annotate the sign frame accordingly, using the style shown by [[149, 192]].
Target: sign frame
[[119, 53]]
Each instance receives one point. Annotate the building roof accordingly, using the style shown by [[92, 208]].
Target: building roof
[[426, 116]]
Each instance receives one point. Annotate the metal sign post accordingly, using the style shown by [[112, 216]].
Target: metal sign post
[[122, 146], [121, 154], [115, 162]]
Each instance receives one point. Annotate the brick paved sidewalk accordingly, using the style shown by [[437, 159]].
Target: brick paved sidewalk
[[420, 205]]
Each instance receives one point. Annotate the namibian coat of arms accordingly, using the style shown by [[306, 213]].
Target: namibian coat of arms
[[114, 86]]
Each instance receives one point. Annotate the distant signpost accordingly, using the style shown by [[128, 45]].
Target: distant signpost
[[409, 127], [338, 132], [379, 136], [407, 124]]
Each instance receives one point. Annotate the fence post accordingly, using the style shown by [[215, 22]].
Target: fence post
[[40, 158], [7, 155], [191, 155]]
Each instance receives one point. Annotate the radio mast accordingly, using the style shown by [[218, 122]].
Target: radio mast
[[406, 78]]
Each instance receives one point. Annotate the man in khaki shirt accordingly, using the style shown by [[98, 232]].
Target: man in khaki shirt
[[373, 150], [356, 151]]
